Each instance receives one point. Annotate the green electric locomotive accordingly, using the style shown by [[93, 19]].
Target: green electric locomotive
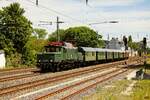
[[58, 56]]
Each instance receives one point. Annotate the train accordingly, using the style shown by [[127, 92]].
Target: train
[[59, 56]]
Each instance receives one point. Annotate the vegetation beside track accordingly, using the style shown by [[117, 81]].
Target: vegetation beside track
[[115, 90]]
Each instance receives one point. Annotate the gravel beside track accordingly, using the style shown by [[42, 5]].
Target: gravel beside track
[[50, 79], [55, 86], [36, 78], [93, 89], [75, 89], [36, 84], [80, 84]]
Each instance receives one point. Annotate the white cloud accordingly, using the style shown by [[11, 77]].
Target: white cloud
[[129, 21]]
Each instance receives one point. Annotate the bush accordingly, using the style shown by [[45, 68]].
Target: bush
[[14, 60]]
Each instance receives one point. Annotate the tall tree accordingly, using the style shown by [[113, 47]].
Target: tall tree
[[125, 42], [40, 33], [15, 28], [79, 36], [83, 36]]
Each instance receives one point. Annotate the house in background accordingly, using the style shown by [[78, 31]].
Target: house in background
[[2, 59], [114, 43]]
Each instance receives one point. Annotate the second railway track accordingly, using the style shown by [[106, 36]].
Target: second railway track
[[18, 70], [10, 78], [22, 87], [70, 90]]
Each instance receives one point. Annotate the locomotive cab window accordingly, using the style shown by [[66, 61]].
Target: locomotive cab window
[[53, 49]]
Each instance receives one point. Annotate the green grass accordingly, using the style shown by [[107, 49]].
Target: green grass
[[111, 93], [140, 91]]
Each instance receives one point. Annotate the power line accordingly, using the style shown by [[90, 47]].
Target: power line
[[52, 10]]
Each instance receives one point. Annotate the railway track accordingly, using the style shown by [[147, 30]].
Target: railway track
[[29, 85], [70, 89], [18, 70], [22, 87], [10, 78]]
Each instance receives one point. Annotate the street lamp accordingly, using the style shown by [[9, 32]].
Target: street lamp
[[104, 22]]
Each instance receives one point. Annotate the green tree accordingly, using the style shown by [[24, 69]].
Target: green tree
[[133, 45], [136, 46], [40, 33], [32, 47], [79, 36], [15, 28], [83, 36], [53, 36], [125, 42]]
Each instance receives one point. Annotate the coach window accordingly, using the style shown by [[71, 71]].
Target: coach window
[[92, 53]]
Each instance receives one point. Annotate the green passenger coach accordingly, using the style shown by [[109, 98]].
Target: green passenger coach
[[62, 56]]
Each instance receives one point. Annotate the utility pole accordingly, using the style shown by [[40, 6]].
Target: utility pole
[[86, 2], [108, 37], [57, 24], [50, 23], [37, 2]]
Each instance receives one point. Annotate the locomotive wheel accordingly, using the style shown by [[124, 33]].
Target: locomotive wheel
[[52, 69], [57, 68]]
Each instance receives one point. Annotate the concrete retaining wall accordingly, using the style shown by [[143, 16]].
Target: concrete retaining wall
[[2, 59]]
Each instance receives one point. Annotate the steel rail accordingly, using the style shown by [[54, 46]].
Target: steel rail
[[16, 88], [24, 86], [18, 70], [76, 84], [10, 78], [90, 86]]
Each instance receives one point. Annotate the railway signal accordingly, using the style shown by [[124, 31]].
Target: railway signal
[[144, 43]]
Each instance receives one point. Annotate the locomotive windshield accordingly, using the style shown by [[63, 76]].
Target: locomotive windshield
[[52, 49]]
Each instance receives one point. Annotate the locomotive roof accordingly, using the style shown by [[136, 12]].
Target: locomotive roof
[[69, 47], [89, 49]]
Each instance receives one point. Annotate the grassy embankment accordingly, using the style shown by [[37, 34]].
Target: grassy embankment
[[118, 90]]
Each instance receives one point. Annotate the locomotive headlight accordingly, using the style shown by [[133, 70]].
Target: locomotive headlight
[[39, 60], [51, 60]]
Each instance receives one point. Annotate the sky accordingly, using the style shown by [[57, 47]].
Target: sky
[[133, 16]]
